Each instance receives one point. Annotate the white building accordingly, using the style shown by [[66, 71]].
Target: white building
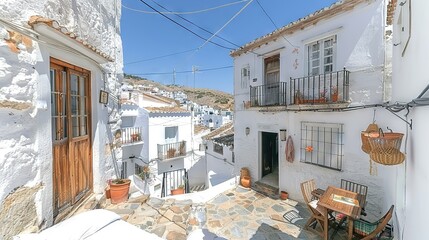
[[299, 80], [407, 183], [164, 139], [59, 66]]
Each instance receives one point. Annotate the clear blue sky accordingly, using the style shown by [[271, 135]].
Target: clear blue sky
[[147, 36]]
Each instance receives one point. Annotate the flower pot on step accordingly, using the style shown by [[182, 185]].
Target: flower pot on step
[[245, 181], [284, 195], [177, 191], [119, 190]]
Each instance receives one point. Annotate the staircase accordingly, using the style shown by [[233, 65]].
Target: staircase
[[265, 189]]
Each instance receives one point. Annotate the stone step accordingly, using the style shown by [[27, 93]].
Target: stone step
[[265, 189]]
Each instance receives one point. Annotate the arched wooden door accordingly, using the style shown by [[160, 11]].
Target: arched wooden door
[[71, 131]]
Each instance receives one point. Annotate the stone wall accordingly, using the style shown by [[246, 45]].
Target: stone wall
[[18, 211]]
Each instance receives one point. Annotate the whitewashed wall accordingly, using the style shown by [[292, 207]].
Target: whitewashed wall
[[220, 167], [360, 49], [409, 184], [25, 142]]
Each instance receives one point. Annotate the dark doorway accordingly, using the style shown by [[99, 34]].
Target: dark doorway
[[270, 153]]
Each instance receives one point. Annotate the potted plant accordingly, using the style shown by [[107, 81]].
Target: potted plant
[[182, 148], [119, 189], [298, 99], [135, 137], [179, 190], [171, 152], [334, 94]]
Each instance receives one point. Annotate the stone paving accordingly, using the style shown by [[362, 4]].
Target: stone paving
[[235, 214]]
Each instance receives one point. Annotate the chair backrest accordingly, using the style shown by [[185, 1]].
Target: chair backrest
[[306, 188], [381, 224], [355, 187]]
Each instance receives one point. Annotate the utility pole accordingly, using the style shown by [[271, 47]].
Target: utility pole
[[194, 69], [174, 76]]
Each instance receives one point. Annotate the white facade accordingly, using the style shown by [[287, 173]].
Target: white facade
[[359, 47], [26, 143], [407, 184], [220, 163]]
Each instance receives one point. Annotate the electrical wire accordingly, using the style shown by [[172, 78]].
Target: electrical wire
[[226, 24], [189, 71], [187, 29], [205, 30], [275, 25], [191, 12], [163, 56]]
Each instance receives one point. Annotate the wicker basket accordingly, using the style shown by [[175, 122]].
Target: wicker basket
[[385, 149], [371, 131], [387, 156]]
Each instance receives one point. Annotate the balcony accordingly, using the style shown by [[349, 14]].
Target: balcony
[[268, 95], [171, 150], [325, 88], [131, 135]]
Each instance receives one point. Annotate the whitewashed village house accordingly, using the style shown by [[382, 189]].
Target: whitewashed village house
[[158, 132], [60, 63], [303, 80]]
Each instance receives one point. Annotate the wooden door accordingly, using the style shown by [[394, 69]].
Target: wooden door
[[72, 161]]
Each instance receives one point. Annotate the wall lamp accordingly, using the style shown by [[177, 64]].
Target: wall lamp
[[247, 131], [283, 134]]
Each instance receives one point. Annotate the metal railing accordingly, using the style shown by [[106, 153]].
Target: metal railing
[[319, 89], [171, 150], [268, 95], [131, 135], [172, 180]]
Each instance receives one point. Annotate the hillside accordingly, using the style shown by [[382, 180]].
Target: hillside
[[201, 96]]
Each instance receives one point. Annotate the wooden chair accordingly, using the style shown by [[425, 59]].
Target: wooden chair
[[366, 231], [317, 212], [357, 188]]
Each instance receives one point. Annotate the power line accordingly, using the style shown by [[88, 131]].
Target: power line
[[189, 71], [230, 20], [163, 56], [183, 13], [187, 29], [207, 31], [275, 25]]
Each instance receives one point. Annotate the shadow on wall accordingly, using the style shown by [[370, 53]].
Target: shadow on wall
[[197, 173]]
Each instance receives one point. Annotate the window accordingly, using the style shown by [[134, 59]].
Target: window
[[171, 134], [322, 144], [245, 77], [218, 148], [272, 69], [321, 56]]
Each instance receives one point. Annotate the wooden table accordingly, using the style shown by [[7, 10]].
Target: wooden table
[[352, 212]]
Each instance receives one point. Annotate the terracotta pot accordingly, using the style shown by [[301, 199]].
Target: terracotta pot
[[244, 172], [284, 195], [177, 191], [245, 181], [334, 97], [119, 191]]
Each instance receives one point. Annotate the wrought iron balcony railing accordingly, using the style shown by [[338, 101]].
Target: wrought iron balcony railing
[[171, 150], [131, 135], [268, 95], [319, 89]]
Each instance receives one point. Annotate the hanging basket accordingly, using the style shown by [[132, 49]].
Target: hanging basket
[[371, 131], [385, 149]]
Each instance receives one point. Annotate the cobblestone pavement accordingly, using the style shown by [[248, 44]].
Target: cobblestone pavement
[[235, 214]]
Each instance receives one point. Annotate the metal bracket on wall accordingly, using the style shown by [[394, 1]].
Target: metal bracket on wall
[[409, 123]]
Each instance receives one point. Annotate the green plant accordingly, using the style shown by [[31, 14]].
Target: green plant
[[118, 181], [181, 186]]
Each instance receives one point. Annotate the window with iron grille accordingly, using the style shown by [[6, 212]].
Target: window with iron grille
[[218, 148], [322, 144]]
